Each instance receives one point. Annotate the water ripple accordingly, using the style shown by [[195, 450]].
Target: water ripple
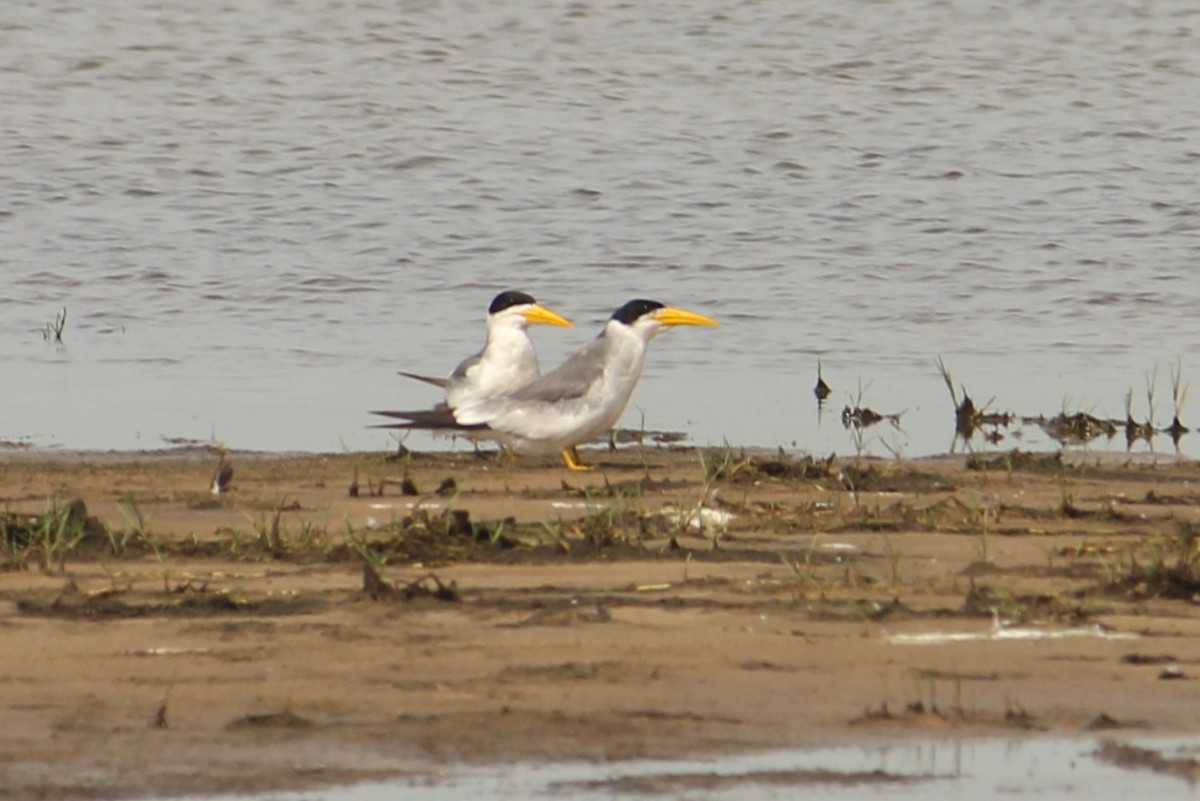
[[876, 185]]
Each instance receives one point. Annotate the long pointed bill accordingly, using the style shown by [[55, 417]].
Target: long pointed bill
[[672, 316], [540, 314]]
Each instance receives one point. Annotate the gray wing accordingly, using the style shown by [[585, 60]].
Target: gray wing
[[571, 380], [466, 364], [428, 379]]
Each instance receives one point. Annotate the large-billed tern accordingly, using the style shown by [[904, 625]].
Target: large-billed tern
[[507, 361], [575, 403]]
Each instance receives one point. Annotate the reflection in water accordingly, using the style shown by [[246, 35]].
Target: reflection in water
[[929, 771], [975, 426]]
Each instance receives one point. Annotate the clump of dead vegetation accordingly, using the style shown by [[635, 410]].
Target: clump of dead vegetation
[[1068, 428], [1024, 461], [969, 418], [765, 507], [427, 586], [728, 464], [46, 540], [65, 531], [1164, 567]]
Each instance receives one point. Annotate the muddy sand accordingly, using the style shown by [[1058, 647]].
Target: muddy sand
[[332, 618]]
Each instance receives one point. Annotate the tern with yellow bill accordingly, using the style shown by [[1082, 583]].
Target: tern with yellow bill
[[575, 403], [507, 361]]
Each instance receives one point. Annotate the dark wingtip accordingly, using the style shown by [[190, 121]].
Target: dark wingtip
[[439, 418], [403, 415], [428, 379]]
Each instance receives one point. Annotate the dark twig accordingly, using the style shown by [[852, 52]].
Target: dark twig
[[53, 332]]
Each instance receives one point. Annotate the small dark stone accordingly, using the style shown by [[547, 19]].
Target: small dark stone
[[1103, 722], [458, 524]]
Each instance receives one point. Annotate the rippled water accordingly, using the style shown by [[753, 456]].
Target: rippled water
[[255, 212]]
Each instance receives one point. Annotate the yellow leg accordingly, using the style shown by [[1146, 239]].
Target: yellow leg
[[571, 457]]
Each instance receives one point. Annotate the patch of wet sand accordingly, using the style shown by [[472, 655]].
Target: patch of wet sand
[[226, 643]]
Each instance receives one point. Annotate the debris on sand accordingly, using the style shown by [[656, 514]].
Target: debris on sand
[[427, 586], [222, 475], [271, 720], [1019, 460]]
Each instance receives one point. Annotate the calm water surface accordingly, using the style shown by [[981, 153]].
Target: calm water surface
[[256, 212], [914, 771]]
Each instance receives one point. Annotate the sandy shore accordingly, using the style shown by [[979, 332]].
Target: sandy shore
[[340, 617]]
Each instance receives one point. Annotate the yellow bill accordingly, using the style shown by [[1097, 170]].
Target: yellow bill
[[540, 314], [672, 316]]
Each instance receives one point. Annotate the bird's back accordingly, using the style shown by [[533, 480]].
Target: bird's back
[[583, 396]]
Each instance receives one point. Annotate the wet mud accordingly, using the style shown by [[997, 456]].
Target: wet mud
[[328, 618]]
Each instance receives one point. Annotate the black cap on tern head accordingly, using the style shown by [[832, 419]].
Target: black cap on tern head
[[635, 309], [509, 299]]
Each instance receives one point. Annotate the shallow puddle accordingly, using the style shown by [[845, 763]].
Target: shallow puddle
[[1095, 769]]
